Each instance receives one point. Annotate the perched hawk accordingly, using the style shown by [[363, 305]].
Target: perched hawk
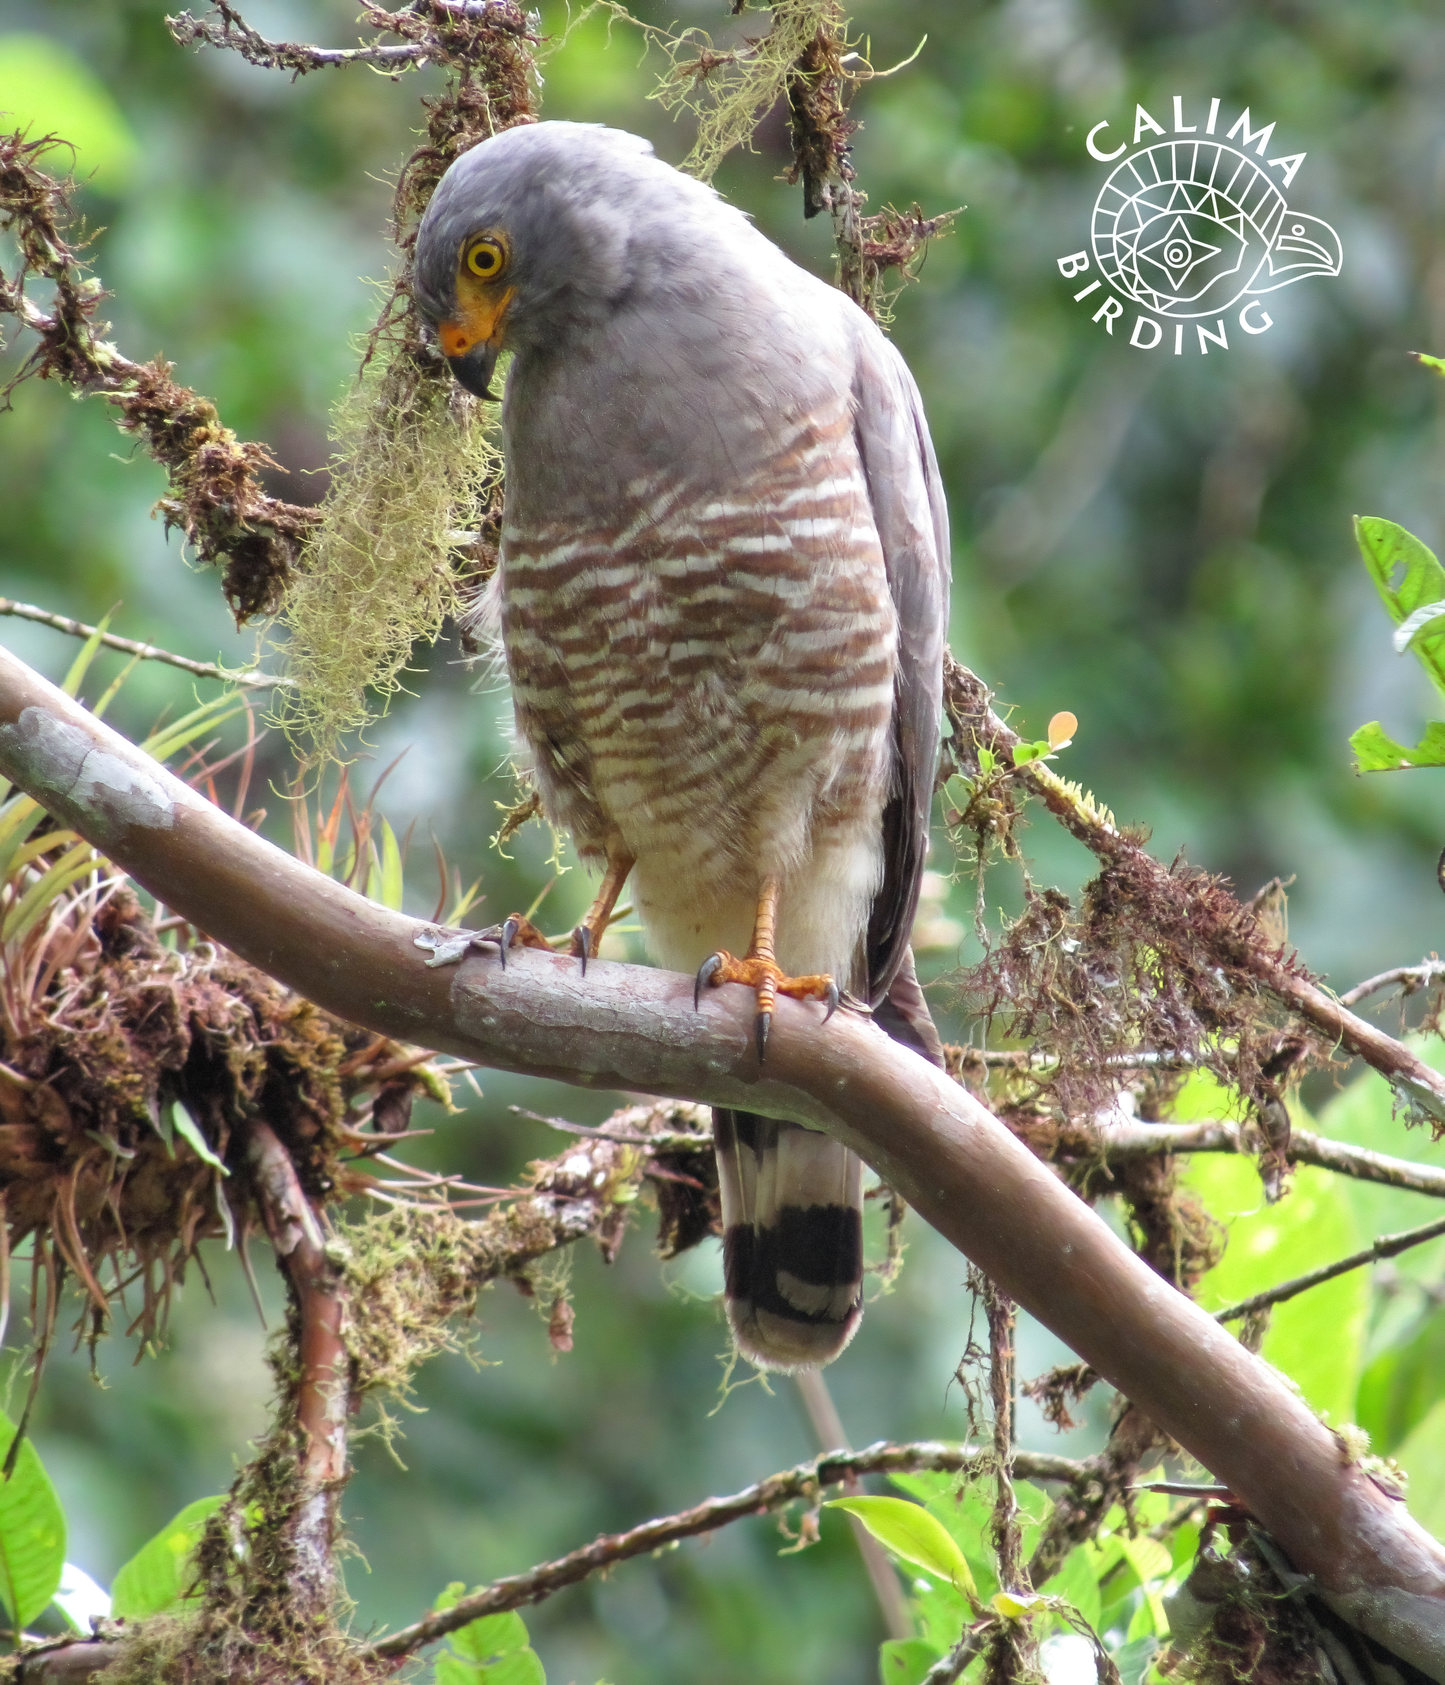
[[722, 596]]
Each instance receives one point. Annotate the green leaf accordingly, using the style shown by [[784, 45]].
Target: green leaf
[[162, 744], [1408, 578], [965, 1513], [1077, 1582], [1183, 1548], [1399, 1389], [190, 1132], [75, 677], [1133, 1659], [160, 1573], [1024, 753], [48, 86], [1436, 363], [1376, 751], [489, 1651], [482, 1640], [77, 862], [906, 1661], [389, 887], [514, 1667], [32, 1533], [909, 1531], [1317, 1339]]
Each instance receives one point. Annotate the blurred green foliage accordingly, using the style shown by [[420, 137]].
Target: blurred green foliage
[[1162, 548]]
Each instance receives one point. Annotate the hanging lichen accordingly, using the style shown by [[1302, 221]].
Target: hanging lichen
[[417, 460]]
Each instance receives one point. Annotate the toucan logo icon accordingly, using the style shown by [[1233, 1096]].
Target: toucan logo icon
[[1187, 228]]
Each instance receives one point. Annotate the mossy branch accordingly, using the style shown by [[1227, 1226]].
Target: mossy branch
[[630, 1028], [1223, 937], [215, 496], [806, 1483]]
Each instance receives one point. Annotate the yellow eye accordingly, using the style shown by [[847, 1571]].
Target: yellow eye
[[485, 257]]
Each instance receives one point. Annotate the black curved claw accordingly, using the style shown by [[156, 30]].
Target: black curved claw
[[833, 998], [582, 936], [761, 1025], [705, 974], [510, 927]]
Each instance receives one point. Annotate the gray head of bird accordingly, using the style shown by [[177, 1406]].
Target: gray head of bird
[[543, 229]]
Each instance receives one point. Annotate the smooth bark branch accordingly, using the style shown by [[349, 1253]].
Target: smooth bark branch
[[634, 1029]]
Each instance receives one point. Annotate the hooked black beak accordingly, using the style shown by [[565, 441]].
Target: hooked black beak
[[474, 369]]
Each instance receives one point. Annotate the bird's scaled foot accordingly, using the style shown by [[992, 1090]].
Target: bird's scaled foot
[[767, 980], [515, 931], [587, 937]]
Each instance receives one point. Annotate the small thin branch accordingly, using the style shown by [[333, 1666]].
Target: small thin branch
[[1013, 1650], [1029, 1059], [147, 652], [958, 1658], [1123, 1141], [1387, 1246], [1410, 978], [805, 1482], [68, 1663], [445, 38], [234, 32], [663, 1141]]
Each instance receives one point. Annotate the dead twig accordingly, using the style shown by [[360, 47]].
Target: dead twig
[[1410, 978], [1013, 1650], [146, 652]]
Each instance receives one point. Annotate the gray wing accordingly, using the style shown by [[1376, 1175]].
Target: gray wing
[[912, 519]]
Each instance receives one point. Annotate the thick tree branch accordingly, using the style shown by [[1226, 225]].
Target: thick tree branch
[[805, 1482], [629, 1028]]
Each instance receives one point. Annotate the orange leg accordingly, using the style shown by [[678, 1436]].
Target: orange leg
[[588, 935], [760, 970]]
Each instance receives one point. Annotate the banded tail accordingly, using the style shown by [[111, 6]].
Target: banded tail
[[792, 1210]]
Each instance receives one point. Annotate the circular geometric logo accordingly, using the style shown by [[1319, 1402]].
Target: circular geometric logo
[[1188, 228]]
